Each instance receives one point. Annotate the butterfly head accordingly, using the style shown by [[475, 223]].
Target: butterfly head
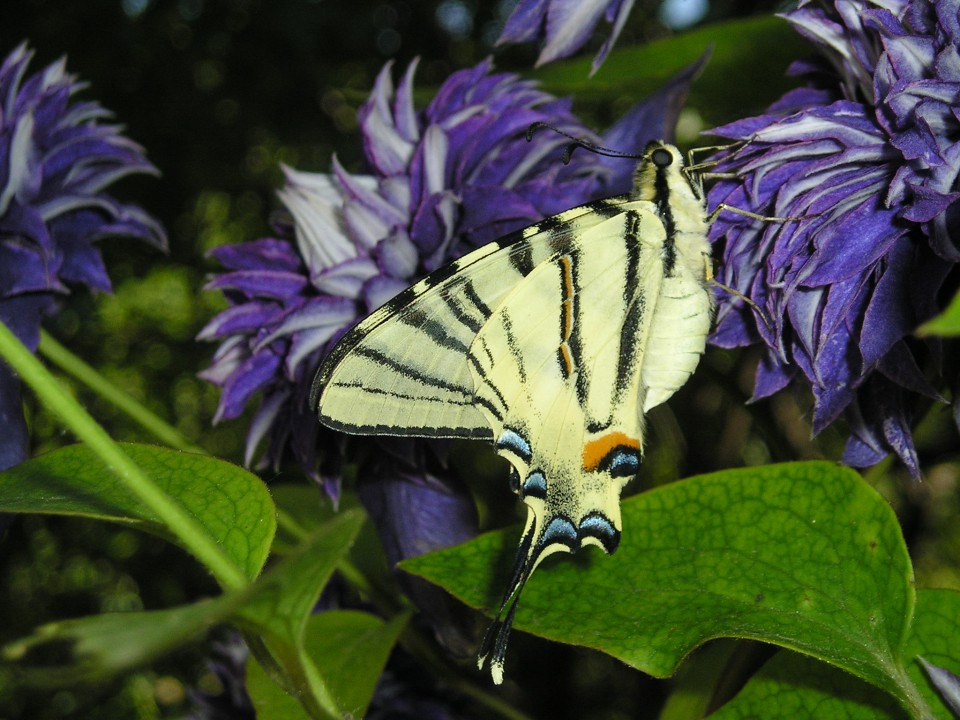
[[662, 177]]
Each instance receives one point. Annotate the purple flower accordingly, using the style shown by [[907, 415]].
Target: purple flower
[[417, 506], [228, 662], [439, 183], [946, 684], [565, 25], [868, 157], [57, 157]]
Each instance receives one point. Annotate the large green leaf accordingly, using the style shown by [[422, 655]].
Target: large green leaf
[[803, 555], [747, 68], [232, 504]]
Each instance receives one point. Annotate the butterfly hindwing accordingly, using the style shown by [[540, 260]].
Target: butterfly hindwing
[[563, 390]]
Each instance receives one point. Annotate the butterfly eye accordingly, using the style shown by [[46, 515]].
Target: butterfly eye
[[661, 157], [514, 481]]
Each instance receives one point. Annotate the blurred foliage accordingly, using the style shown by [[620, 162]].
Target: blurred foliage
[[220, 92]]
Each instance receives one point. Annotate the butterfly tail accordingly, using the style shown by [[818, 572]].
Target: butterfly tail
[[494, 645]]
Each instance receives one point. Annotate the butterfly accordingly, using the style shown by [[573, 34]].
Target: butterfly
[[552, 343]]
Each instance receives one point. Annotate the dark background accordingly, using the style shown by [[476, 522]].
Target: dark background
[[219, 92]]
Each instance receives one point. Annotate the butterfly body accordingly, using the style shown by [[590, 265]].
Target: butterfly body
[[552, 343]]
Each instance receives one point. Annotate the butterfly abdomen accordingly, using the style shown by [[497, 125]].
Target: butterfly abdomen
[[677, 339]]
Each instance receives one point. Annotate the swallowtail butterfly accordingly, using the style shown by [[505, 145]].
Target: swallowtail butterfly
[[552, 343]]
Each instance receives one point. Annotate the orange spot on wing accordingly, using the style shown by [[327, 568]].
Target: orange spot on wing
[[596, 450], [566, 360], [566, 310], [566, 266]]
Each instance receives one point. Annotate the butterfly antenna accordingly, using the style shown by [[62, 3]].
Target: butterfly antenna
[[578, 143]]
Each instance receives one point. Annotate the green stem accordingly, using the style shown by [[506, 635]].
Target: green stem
[[177, 520], [83, 373], [911, 697]]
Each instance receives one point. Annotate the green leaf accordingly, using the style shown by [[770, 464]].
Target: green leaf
[[351, 649], [792, 685], [233, 505], [703, 676], [796, 686], [269, 699], [802, 555], [278, 606], [749, 54], [947, 324], [301, 510], [282, 606], [94, 648]]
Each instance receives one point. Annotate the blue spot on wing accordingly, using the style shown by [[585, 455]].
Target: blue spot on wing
[[535, 485], [598, 525], [621, 462], [515, 443], [561, 530]]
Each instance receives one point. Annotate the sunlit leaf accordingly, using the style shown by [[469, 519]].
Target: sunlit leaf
[[802, 555], [231, 503]]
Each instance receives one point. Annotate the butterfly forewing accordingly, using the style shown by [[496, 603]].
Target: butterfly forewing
[[404, 370]]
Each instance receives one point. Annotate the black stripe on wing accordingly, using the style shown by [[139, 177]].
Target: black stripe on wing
[[470, 292], [459, 312], [432, 328], [477, 433], [381, 358], [635, 302], [499, 413]]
